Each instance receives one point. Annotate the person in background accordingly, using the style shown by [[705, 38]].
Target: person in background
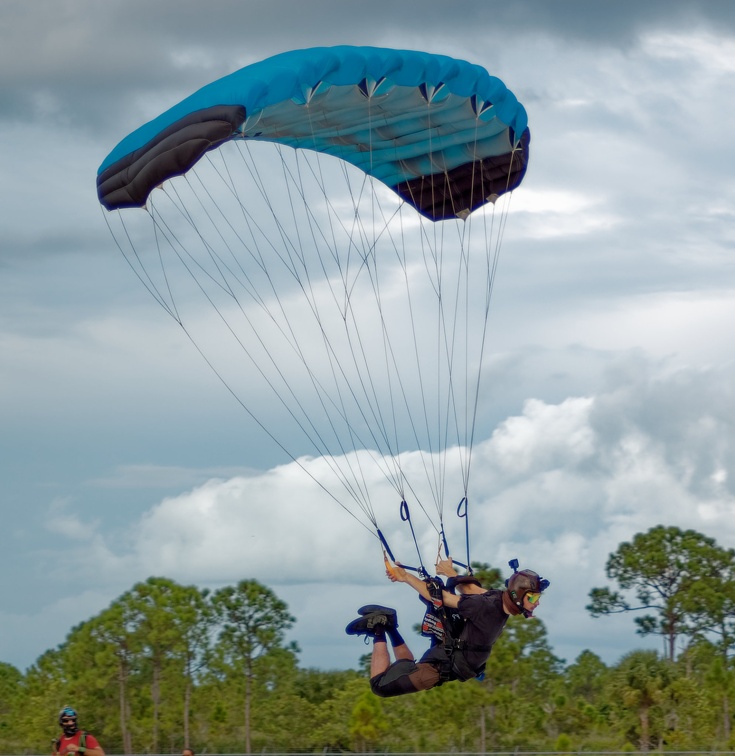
[[72, 739]]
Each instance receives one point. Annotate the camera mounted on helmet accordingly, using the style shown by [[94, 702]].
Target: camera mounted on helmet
[[525, 583]]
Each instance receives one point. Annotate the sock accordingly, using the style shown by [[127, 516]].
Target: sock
[[379, 638], [396, 638]]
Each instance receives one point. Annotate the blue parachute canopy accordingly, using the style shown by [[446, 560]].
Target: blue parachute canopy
[[442, 133]]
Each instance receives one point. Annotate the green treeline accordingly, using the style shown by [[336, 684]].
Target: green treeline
[[167, 666]]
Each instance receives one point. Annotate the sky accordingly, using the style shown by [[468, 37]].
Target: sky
[[611, 350]]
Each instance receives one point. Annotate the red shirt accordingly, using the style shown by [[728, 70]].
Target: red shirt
[[90, 741]]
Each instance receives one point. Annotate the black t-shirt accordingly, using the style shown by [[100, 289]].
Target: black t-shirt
[[485, 621]]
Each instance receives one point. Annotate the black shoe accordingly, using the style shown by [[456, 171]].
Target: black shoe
[[379, 619], [391, 618], [360, 627]]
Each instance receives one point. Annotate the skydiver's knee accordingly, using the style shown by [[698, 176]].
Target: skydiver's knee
[[402, 677], [396, 680]]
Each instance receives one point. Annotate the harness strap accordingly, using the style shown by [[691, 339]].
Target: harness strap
[[460, 645], [454, 665]]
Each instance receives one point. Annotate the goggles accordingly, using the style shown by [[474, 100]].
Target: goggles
[[533, 598]]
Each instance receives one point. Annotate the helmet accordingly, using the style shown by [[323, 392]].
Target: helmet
[[69, 727], [523, 582]]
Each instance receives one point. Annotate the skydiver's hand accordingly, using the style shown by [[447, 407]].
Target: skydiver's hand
[[444, 567], [397, 574]]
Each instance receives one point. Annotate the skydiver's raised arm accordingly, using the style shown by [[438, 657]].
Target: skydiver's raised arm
[[399, 575]]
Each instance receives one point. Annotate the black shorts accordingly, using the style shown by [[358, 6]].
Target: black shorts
[[404, 676]]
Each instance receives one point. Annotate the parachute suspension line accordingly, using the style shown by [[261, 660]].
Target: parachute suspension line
[[472, 397], [403, 263], [433, 255], [437, 459], [217, 309], [388, 348], [388, 355], [315, 437], [462, 313], [216, 259], [446, 340], [141, 272], [374, 266], [252, 171], [363, 365], [280, 284], [492, 273], [363, 368], [428, 458], [153, 290], [406, 517], [457, 347], [164, 272], [455, 328], [433, 259], [333, 361], [394, 374], [462, 513], [453, 354], [296, 183], [391, 361], [272, 437]]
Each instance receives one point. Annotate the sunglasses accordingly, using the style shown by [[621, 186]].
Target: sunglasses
[[68, 720], [533, 598]]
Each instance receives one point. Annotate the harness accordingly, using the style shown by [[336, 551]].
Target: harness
[[448, 649]]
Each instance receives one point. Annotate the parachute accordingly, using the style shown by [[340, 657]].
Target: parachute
[[335, 211]]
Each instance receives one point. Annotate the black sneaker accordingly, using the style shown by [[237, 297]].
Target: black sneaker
[[391, 618], [381, 618], [360, 627]]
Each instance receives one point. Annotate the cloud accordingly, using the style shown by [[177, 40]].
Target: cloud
[[558, 486], [705, 50], [610, 353]]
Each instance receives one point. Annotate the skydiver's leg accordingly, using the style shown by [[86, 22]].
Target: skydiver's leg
[[380, 659], [381, 622], [404, 676], [403, 652]]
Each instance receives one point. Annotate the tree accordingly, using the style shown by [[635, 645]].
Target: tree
[[171, 625], [518, 679], [640, 682], [367, 722], [11, 697], [490, 577], [710, 602], [114, 632], [720, 680], [43, 691], [10, 680], [253, 622], [586, 677], [660, 567]]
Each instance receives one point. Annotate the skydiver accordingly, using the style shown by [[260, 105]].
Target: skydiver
[[459, 653]]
